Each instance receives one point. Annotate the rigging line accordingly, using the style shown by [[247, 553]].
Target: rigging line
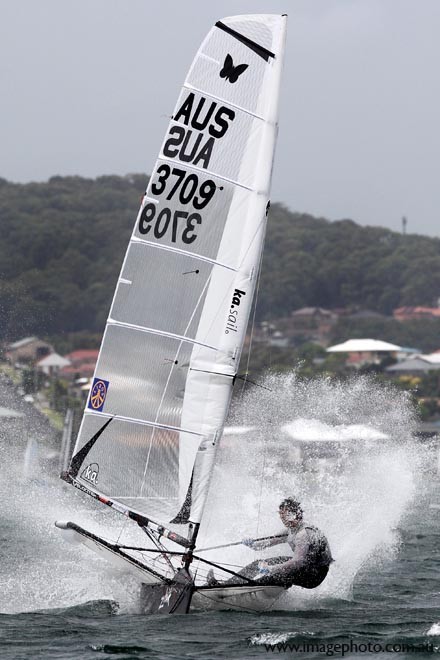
[[233, 565], [154, 550], [257, 288], [227, 293], [159, 546], [252, 382], [122, 530], [262, 481], [275, 598], [169, 378], [226, 570], [261, 223]]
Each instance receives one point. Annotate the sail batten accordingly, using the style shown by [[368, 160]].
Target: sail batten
[[223, 100], [209, 173], [146, 422], [154, 331], [141, 241], [176, 327]]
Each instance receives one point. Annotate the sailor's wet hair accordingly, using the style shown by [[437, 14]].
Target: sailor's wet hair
[[292, 505]]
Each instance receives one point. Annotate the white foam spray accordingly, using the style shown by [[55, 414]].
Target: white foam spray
[[38, 569], [355, 472], [357, 499]]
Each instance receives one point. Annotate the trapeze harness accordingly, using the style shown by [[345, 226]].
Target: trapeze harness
[[307, 567]]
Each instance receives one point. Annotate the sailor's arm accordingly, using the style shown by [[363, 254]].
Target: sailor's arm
[[266, 543], [299, 555]]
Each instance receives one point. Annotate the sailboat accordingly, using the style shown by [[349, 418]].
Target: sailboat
[[172, 343]]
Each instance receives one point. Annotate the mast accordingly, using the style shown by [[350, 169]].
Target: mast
[[175, 332]]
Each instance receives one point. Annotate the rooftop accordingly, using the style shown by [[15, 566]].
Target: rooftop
[[22, 342], [363, 346], [53, 360]]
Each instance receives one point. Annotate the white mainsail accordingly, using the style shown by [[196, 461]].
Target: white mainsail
[[175, 332]]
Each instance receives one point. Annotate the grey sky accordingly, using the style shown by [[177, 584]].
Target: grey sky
[[85, 87]]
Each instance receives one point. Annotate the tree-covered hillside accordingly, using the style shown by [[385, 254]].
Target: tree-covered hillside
[[62, 244], [313, 262]]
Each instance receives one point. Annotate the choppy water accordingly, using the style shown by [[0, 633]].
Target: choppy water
[[58, 601]]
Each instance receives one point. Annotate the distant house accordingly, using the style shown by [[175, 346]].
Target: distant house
[[365, 351], [28, 350], [309, 315], [311, 323], [82, 364], [51, 364], [411, 313], [416, 364]]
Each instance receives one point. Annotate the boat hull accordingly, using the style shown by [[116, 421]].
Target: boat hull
[[179, 595], [248, 598], [173, 598]]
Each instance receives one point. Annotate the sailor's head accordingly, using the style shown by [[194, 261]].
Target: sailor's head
[[290, 511]]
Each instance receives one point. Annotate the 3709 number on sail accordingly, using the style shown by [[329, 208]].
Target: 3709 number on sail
[[177, 186]]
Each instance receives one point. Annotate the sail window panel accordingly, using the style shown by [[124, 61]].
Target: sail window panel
[[210, 135], [174, 302], [134, 464], [207, 195], [256, 28], [146, 374], [197, 231], [245, 91]]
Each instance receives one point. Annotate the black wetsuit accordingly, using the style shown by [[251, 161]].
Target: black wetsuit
[[307, 567]]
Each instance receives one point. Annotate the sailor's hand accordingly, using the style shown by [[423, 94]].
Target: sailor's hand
[[263, 569], [248, 542]]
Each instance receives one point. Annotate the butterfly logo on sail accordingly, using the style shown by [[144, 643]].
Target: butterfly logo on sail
[[231, 72]]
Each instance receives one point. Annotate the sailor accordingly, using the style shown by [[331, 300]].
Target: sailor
[[308, 565]]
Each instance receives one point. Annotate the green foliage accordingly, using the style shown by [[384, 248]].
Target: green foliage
[[57, 395], [428, 409], [63, 244], [73, 341], [30, 380], [313, 262], [61, 251]]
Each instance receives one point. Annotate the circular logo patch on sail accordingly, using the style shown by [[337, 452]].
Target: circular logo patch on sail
[[98, 394]]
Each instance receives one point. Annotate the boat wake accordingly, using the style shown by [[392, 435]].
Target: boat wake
[[356, 490], [344, 449], [38, 569]]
